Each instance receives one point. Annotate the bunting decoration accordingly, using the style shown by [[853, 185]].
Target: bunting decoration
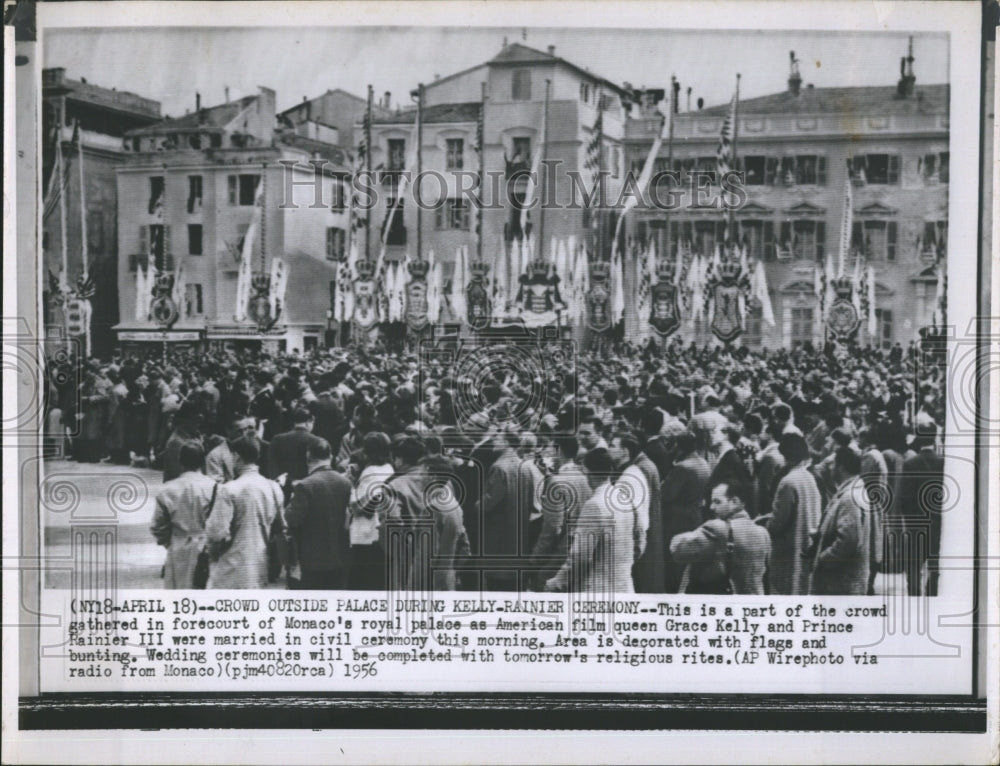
[[599, 297], [417, 309], [728, 284]]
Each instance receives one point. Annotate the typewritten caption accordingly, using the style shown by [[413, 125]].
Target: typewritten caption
[[306, 641]]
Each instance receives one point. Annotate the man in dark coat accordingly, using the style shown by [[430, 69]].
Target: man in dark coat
[[330, 422], [289, 450], [501, 512], [729, 469], [921, 491], [682, 495], [655, 449], [317, 518]]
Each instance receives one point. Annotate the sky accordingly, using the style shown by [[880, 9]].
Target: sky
[[170, 64]]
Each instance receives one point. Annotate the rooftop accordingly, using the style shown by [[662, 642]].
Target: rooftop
[[516, 54], [878, 99], [216, 117], [439, 113], [54, 81]]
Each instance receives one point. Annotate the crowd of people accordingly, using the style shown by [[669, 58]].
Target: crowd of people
[[661, 469]]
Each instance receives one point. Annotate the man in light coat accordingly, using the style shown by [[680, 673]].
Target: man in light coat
[[245, 511], [179, 519], [840, 564], [875, 474], [796, 512], [600, 556]]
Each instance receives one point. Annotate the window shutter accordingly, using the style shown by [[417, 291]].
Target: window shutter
[[857, 235], [893, 169], [820, 239], [821, 171], [168, 261], [769, 240], [890, 252], [329, 244], [465, 217], [144, 240], [439, 217], [770, 170], [234, 189]]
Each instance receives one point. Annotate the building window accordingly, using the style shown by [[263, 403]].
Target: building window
[[584, 92], [810, 169], [803, 240], [194, 193], [396, 234], [334, 243], [615, 154], [522, 152], [156, 186], [95, 229], [192, 300], [154, 241], [874, 239], [876, 169], [455, 153], [194, 239], [883, 329], [706, 235], [397, 154], [755, 166], [758, 237], [802, 325], [337, 195], [521, 85], [453, 214], [934, 242], [935, 167], [243, 189]]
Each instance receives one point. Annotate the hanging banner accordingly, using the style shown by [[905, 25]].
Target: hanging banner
[[163, 308], [664, 313], [416, 315], [727, 324], [540, 302], [365, 304], [843, 319], [477, 298], [599, 297]]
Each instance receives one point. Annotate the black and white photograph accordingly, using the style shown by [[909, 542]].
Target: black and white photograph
[[397, 367]]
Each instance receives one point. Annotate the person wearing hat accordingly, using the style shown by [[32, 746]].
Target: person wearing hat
[[221, 462], [795, 512], [186, 429], [839, 552], [288, 452]]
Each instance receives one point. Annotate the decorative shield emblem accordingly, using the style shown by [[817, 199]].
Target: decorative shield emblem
[[726, 323], [416, 305], [365, 306], [477, 305], [164, 311], [599, 307], [844, 319], [664, 316]]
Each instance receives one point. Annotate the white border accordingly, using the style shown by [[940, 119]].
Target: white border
[[961, 19]]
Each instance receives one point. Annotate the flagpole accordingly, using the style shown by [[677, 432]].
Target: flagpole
[[62, 207], [83, 202], [539, 242], [600, 178], [482, 169], [736, 119], [368, 170], [420, 160]]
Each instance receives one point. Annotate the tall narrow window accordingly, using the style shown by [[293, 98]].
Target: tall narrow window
[[521, 85]]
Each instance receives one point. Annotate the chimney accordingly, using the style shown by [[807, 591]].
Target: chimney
[[794, 78], [504, 43], [552, 50], [701, 104], [197, 101], [689, 100], [386, 98], [437, 77], [907, 80], [677, 97], [227, 93]]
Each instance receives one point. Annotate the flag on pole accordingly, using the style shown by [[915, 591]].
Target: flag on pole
[[592, 158], [179, 291], [245, 269], [846, 222], [760, 291], [533, 177], [724, 154]]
